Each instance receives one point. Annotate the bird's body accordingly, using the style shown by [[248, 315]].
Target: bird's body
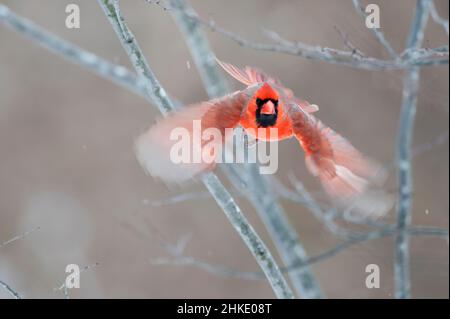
[[265, 104]]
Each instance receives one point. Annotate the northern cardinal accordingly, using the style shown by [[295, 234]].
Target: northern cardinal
[[343, 171]]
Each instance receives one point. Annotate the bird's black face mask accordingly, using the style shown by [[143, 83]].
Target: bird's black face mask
[[267, 112]]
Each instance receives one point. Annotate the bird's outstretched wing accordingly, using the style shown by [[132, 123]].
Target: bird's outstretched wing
[[158, 150], [251, 75], [345, 174]]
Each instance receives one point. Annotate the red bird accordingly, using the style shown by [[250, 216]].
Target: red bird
[[343, 171]]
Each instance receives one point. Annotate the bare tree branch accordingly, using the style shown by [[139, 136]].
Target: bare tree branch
[[177, 199], [325, 54], [115, 73], [179, 259], [212, 183], [257, 188], [420, 231], [404, 142]]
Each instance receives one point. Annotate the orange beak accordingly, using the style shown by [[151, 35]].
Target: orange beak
[[268, 108]]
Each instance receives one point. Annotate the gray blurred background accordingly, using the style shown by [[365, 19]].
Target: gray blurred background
[[67, 163]]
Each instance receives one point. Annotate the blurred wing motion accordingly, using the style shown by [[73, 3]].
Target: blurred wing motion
[[155, 147], [346, 175], [251, 75]]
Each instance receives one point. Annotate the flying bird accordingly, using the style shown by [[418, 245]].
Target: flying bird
[[265, 103]]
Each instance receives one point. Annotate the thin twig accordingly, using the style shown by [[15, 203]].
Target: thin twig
[[347, 42], [416, 231], [325, 54], [179, 259], [437, 18], [177, 199], [200, 49], [9, 290], [256, 188], [212, 183], [428, 146], [404, 142], [19, 237]]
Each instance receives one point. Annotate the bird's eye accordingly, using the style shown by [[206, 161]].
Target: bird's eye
[[258, 101]]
